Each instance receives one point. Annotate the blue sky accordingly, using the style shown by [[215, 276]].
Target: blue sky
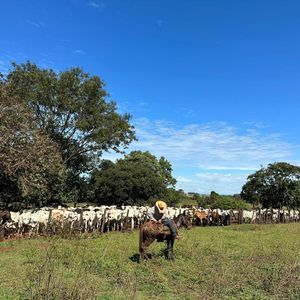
[[212, 85]]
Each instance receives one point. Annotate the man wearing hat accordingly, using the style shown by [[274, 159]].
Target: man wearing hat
[[158, 214]]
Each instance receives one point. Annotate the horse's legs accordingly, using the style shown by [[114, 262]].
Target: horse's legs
[[170, 244], [143, 245]]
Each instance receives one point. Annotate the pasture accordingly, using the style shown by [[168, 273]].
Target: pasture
[[246, 261]]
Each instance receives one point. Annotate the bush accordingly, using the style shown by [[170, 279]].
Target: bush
[[228, 202]]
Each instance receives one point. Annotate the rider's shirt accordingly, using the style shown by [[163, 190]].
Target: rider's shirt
[[155, 215]]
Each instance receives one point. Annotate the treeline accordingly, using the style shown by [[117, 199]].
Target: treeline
[[214, 200], [54, 128]]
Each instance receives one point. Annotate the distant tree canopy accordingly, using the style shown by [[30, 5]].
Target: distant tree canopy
[[274, 186], [55, 126], [139, 178], [214, 200]]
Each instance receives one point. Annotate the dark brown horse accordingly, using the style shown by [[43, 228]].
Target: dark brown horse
[[4, 217], [151, 231]]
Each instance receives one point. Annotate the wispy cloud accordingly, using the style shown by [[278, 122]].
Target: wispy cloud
[[37, 24], [138, 108], [78, 51], [96, 5], [204, 183], [211, 146], [183, 179], [218, 156], [220, 183]]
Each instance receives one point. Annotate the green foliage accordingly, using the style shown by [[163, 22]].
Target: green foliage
[[51, 120], [27, 155], [214, 200], [229, 202], [174, 197], [136, 179], [161, 167], [9, 191], [275, 186], [72, 108], [126, 184]]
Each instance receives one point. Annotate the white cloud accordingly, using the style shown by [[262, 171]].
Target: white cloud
[[96, 5], [213, 156], [183, 179], [79, 51], [204, 183], [37, 24], [211, 146]]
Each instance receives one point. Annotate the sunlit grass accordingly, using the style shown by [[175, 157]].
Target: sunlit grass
[[234, 262]]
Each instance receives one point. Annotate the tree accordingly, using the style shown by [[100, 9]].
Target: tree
[[173, 196], [275, 186], [126, 184], [72, 108], [137, 179], [160, 166], [229, 202], [27, 155], [72, 111]]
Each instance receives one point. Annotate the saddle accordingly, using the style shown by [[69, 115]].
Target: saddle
[[164, 231]]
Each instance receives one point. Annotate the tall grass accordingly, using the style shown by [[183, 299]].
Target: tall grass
[[234, 262]]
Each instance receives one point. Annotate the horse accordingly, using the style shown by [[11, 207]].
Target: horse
[[5, 216], [149, 231]]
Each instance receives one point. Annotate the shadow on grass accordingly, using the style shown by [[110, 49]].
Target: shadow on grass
[[136, 257]]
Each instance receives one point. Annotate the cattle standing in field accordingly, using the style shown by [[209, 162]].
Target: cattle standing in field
[[151, 231], [200, 217]]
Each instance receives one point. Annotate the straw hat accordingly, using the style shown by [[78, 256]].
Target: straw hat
[[161, 205]]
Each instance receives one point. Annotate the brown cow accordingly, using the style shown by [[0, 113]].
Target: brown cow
[[201, 217]]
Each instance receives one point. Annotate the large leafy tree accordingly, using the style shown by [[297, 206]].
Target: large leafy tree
[[73, 109], [137, 179], [274, 186], [27, 155]]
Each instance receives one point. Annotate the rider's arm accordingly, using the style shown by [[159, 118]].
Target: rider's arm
[[151, 214]]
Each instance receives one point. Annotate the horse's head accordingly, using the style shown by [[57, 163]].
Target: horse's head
[[5, 216]]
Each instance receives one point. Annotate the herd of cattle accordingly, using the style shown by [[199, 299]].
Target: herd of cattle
[[111, 218]]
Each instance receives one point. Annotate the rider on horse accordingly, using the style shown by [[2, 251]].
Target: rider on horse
[[159, 214]]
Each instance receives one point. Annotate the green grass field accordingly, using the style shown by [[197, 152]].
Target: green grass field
[[234, 262]]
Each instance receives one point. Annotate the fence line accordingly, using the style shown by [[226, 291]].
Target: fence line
[[105, 224]]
